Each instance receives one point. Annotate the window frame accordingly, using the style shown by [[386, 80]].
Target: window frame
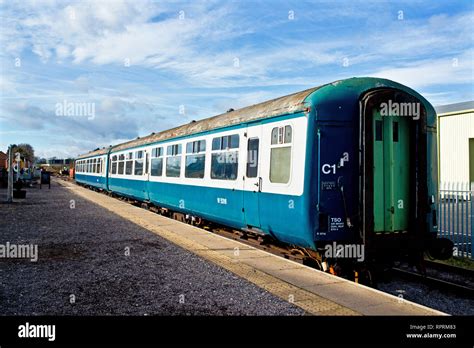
[[157, 153], [195, 149], [281, 142], [174, 151], [225, 149]]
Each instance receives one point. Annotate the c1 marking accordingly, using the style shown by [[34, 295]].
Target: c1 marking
[[326, 168]]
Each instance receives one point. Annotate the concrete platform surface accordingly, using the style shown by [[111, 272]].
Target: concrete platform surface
[[94, 262]]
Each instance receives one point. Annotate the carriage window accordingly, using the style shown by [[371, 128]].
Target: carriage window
[[252, 158], [216, 143], [174, 150], [157, 161], [113, 168], [138, 163], [173, 161], [378, 130], [121, 164], [226, 142], [280, 155], [281, 135], [225, 163], [395, 131], [275, 135], [129, 163], [196, 146], [288, 134], [195, 163]]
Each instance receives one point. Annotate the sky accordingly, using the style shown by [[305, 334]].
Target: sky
[[140, 66]]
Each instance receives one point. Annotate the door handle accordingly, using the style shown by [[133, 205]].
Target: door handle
[[259, 184], [392, 210]]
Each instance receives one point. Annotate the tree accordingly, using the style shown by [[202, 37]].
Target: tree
[[26, 151]]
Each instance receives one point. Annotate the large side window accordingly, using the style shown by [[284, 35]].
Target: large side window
[[173, 160], [195, 159], [225, 157], [138, 162], [280, 154], [157, 161], [129, 163]]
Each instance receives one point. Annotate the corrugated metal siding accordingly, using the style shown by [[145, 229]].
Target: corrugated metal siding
[[454, 134]]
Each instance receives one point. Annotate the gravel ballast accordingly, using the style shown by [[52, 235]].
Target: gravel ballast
[[93, 262]]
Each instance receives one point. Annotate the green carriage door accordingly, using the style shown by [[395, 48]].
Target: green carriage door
[[391, 172]]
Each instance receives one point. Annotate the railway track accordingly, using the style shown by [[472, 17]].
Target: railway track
[[468, 273], [436, 283]]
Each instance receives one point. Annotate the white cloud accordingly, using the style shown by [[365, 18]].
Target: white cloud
[[443, 71]]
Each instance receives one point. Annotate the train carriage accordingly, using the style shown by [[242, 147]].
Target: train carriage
[[353, 161], [90, 169]]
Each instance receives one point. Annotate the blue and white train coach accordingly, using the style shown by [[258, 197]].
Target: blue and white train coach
[[309, 169]]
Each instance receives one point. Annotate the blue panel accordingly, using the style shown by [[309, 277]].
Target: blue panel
[[131, 188], [224, 206], [92, 180], [251, 206]]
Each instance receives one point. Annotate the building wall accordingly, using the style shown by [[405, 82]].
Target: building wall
[[455, 130], [3, 160]]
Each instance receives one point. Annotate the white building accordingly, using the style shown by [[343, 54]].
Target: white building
[[456, 142]]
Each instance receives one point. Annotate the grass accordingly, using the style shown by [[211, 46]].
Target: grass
[[458, 262]]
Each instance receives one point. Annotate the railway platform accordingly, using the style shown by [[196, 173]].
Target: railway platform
[[172, 267]]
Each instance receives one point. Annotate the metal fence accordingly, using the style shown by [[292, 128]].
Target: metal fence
[[456, 216]]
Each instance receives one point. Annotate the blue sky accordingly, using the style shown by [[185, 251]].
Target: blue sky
[[141, 62]]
